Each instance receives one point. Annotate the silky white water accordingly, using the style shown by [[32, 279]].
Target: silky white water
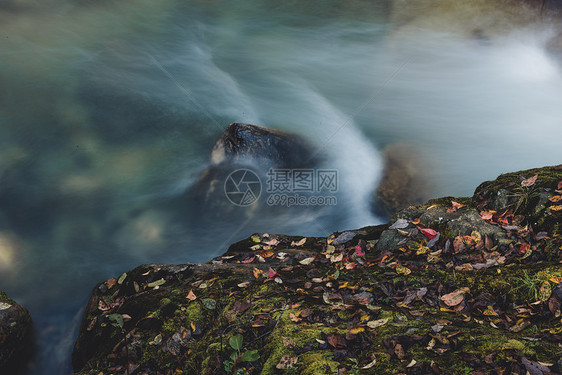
[[109, 111]]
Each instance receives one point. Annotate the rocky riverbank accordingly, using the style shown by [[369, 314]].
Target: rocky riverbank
[[453, 286]]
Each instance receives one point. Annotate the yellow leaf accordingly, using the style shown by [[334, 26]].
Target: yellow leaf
[[356, 330], [403, 270], [556, 279], [556, 198], [545, 291], [556, 208]]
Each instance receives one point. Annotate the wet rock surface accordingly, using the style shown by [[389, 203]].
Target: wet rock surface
[[456, 285], [16, 335]]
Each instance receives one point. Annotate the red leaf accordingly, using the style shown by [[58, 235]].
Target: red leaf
[[428, 232], [487, 215], [250, 260], [560, 185], [336, 341], [530, 181], [455, 206], [271, 273], [359, 251], [524, 247]]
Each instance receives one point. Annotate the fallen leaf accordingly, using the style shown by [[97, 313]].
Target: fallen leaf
[[556, 279], [273, 242], [5, 306], [210, 304], [157, 340], [244, 284], [307, 261], [299, 243], [122, 278], [371, 364], [256, 238], [524, 248], [529, 181], [403, 270], [545, 291], [288, 342], [271, 273], [487, 215], [556, 198], [359, 251], [257, 272], [428, 232], [191, 296], [111, 283], [399, 351], [455, 206], [336, 340], [412, 363], [267, 253], [556, 208], [249, 260], [356, 330], [287, 362], [454, 298], [156, 283], [377, 323], [399, 224]]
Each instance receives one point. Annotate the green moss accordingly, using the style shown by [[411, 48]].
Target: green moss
[[4, 298], [316, 363]]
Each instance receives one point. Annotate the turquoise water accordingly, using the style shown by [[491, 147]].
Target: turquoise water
[[109, 111]]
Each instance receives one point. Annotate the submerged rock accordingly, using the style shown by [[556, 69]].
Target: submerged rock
[[404, 180], [16, 335], [455, 285]]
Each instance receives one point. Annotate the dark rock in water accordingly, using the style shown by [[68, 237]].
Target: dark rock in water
[[237, 175], [16, 335], [403, 183], [244, 143], [290, 303]]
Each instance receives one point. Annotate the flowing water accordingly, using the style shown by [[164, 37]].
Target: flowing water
[[109, 110]]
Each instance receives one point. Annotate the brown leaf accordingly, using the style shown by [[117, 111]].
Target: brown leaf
[[529, 181], [111, 282], [454, 298], [287, 362], [545, 291], [399, 351], [288, 342], [337, 341]]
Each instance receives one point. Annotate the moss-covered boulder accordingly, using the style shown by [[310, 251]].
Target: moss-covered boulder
[[454, 286], [16, 334]]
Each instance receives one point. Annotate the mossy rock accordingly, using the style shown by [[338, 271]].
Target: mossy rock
[[443, 291], [534, 202], [16, 335]]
